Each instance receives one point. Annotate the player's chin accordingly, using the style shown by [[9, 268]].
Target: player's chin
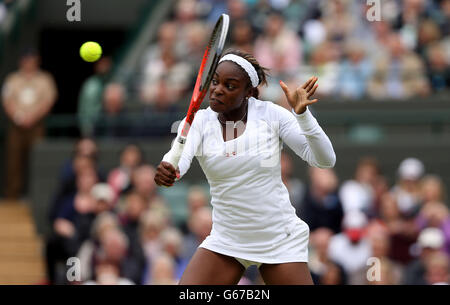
[[216, 106]]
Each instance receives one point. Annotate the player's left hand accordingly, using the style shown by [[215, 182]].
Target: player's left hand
[[299, 98]]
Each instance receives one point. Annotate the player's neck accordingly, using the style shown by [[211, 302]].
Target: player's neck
[[239, 114]]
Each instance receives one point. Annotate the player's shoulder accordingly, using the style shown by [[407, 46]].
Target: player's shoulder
[[202, 116], [208, 114], [268, 108]]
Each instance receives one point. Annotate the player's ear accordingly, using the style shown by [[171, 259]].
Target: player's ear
[[249, 93]]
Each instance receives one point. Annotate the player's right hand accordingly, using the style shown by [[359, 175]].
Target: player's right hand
[[166, 174]]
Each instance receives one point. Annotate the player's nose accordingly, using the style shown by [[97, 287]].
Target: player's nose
[[217, 90]]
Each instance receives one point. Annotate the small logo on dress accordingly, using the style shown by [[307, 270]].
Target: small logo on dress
[[230, 154]]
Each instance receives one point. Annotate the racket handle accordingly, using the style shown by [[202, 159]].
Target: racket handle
[[174, 155]]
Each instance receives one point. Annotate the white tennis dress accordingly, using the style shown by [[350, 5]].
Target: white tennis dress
[[253, 219]]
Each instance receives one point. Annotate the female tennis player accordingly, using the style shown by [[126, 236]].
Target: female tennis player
[[237, 141]]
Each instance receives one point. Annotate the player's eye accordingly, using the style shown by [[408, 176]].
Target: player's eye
[[214, 82], [230, 86]]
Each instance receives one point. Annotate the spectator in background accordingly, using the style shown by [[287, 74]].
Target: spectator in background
[[387, 274], [409, 18], [150, 227], [66, 239], [238, 9], [196, 199], [437, 269], [429, 242], [337, 18], [114, 251], [143, 183], [113, 122], [28, 96], [324, 64], [72, 223], [163, 271], [378, 41], [119, 178], [135, 207], [278, 48], [242, 36], [167, 40], [200, 224], [407, 189], [442, 17], [321, 206], [91, 95], [165, 81], [354, 72], [398, 75], [85, 147], [196, 40], [162, 91], [436, 215], [108, 274], [432, 189], [402, 229], [428, 33], [351, 248], [103, 222], [172, 244], [68, 188], [86, 180], [185, 13], [358, 194], [334, 275], [84, 157], [323, 270], [438, 67], [380, 241]]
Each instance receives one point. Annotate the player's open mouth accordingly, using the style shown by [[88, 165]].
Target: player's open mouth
[[217, 101]]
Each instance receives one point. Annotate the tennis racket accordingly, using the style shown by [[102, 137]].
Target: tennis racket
[[205, 74]]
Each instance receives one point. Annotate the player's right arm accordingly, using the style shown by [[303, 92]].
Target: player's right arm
[[166, 174]]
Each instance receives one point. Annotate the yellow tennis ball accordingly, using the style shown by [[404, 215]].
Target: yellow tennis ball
[[90, 51]]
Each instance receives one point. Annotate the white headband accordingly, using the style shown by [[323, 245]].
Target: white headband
[[247, 66]]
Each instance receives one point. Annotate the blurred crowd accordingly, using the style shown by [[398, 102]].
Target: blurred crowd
[[365, 225], [404, 55], [124, 229], [118, 224]]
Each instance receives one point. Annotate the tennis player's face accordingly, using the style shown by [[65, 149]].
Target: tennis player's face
[[229, 87]]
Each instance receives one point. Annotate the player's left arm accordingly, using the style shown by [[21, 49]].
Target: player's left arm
[[301, 131]]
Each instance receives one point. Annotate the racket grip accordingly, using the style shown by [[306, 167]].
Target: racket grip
[[174, 155]]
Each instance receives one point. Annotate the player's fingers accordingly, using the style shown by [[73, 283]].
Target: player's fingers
[[312, 102], [284, 87], [168, 166], [158, 181], [167, 173], [311, 93], [163, 180], [311, 84], [307, 82]]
